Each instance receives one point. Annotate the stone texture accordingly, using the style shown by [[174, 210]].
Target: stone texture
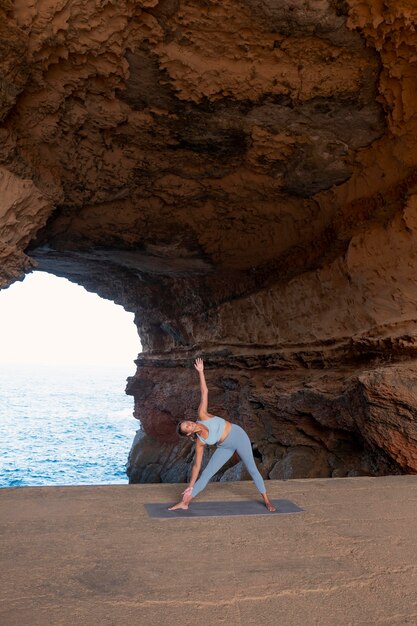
[[242, 176], [23, 210], [301, 462]]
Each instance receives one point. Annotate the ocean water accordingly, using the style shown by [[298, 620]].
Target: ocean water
[[63, 425]]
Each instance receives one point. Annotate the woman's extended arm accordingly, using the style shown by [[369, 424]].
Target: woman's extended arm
[[199, 449], [203, 413], [188, 493]]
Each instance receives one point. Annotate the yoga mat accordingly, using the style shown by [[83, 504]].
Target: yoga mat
[[221, 509]]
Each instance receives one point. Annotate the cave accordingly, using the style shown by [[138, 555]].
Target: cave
[[241, 176]]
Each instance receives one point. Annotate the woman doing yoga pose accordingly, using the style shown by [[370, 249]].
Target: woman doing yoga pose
[[228, 437]]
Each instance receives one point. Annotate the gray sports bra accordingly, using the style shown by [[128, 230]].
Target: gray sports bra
[[215, 427]]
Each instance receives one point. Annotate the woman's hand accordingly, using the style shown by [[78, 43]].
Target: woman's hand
[[199, 365], [187, 492], [203, 406]]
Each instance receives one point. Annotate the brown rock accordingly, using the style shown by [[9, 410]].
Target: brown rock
[[301, 462]]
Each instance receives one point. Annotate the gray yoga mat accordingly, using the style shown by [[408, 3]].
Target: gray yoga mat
[[222, 509]]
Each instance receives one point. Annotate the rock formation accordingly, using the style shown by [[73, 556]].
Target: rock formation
[[243, 176]]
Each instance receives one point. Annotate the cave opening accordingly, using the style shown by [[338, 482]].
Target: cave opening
[[65, 356]]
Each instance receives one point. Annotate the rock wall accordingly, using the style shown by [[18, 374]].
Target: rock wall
[[242, 176]]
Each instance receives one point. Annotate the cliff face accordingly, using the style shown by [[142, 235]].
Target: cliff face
[[242, 176]]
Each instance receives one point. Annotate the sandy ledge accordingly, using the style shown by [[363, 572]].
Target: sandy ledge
[[91, 555]]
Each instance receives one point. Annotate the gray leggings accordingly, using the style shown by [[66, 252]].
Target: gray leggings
[[236, 441]]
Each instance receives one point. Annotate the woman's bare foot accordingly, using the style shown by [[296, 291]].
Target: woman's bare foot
[[180, 505], [268, 503], [186, 499]]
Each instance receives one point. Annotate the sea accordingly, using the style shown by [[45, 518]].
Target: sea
[[65, 425]]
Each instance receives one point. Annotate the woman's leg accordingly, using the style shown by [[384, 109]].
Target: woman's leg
[[244, 450], [219, 458]]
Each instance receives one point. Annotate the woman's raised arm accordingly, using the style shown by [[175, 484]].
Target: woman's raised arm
[[203, 413]]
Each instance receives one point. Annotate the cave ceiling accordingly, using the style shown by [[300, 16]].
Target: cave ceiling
[[188, 136]]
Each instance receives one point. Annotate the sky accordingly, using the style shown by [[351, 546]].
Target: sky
[[49, 320]]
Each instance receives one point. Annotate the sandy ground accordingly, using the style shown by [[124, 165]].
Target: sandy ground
[[91, 555]]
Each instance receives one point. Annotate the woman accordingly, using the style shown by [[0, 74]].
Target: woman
[[229, 438]]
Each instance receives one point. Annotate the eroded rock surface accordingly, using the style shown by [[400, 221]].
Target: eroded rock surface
[[242, 176]]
